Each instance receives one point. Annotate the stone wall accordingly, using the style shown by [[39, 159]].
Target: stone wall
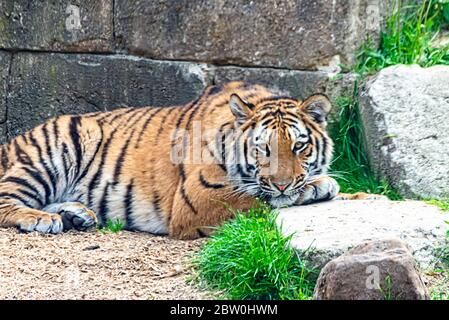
[[74, 56]]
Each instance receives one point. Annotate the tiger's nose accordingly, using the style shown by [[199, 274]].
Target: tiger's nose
[[281, 184]]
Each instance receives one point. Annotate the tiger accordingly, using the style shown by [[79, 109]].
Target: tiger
[[173, 171]]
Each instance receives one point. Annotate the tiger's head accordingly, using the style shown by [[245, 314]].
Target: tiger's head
[[281, 146]]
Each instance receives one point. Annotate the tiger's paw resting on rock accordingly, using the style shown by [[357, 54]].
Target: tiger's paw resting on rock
[[321, 189], [326, 188]]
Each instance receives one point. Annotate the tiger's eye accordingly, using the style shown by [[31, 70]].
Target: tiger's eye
[[298, 145]]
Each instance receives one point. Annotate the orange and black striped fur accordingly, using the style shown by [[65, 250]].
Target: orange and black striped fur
[[174, 170]]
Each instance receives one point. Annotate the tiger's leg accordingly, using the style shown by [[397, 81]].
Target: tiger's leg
[[16, 214], [202, 203], [24, 204], [18, 209], [326, 188], [321, 189], [360, 196], [74, 215]]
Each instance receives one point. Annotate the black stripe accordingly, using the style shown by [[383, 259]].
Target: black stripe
[[31, 196], [267, 122], [316, 143], [201, 234], [49, 150], [23, 183], [222, 146], [4, 160], [241, 172], [157, 204], [129, 205], [24, 139], [65, 153], [183, 191], [145, 126], [214, 90], [161, 127], [56, 130], [141, 114], [121, 159], [43, 162], [276, 99], [103, 209], [96, 178], [15, 196], [181, 119], [97, 148], [156, 201], [36, 176], [245, 153], [209, 185], [121, 114], [223, 152], [21, 155], [76, 140], [195, 107], [325, 147]]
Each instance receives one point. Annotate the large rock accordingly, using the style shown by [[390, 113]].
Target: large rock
[[374, 270], [5, 60], [299, 84], [63, 25], [293, 34], [326, 230], [45, 85], [405, 113]]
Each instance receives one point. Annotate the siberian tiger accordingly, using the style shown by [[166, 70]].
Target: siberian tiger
[[174, 170]]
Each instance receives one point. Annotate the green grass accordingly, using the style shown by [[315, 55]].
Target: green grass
[[249, 258], [387, 293], [113, 226], [408, 38], [350, 165], [443, 204]]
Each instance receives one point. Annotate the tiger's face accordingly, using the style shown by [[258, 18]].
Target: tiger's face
[[283, 145]]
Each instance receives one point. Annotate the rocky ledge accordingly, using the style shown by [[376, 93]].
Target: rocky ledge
[[327, 230]]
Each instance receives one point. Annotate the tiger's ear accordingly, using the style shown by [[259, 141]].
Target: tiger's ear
[[317, 107], [241, 109]]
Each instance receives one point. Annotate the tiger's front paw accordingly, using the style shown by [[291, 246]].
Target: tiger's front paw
[[322, 189], [79, 218], [41, 222], [75, 215]]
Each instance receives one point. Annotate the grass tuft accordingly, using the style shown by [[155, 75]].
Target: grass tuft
[[112, 225], [408, 38], [443, 204], [249, 258], [351, 165]]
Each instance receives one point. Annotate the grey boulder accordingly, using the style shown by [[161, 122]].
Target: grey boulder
[[405, 114]]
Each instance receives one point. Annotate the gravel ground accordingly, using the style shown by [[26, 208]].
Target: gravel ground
[[95, 265]]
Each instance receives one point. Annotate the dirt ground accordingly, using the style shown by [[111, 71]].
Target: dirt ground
[[95, 265]]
